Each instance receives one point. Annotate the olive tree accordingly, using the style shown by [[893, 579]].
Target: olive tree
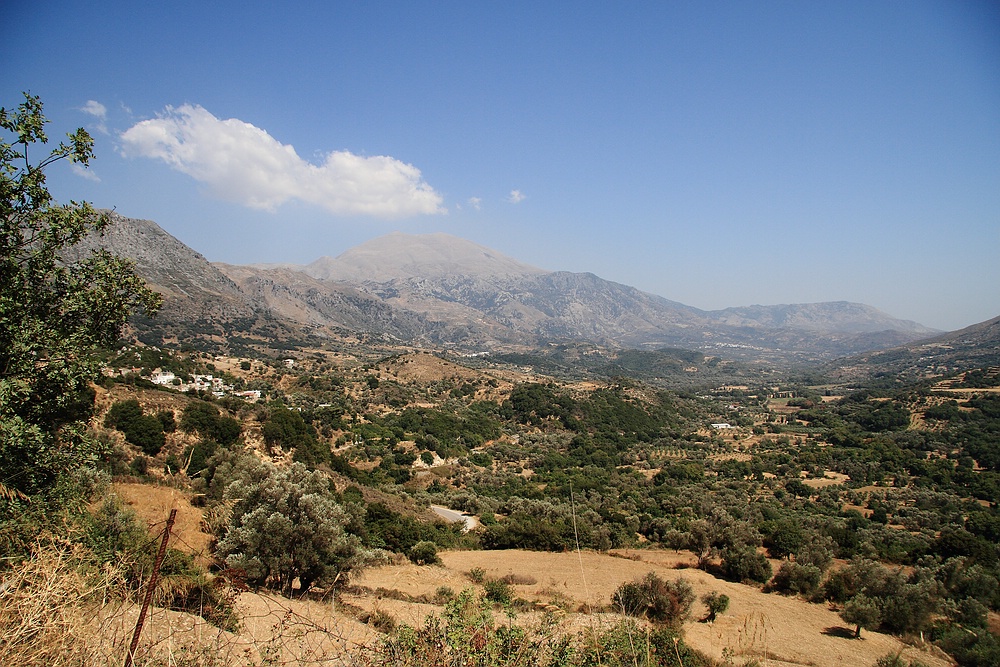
[[862, 611], [285, 525], [57, 307]]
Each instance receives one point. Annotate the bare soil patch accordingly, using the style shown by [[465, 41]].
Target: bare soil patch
[[828, 479]]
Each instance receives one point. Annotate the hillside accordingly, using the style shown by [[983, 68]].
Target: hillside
[[439, 291], [776, 497], [976, 346]]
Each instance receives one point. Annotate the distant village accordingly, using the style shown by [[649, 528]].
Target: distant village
[[195, 383]]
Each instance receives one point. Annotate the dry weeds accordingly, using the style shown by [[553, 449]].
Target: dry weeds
[[53, 615]]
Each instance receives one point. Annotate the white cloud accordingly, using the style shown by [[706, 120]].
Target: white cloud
[[95, 109], [516, 197], [476, 203], [246, 165], [98, 111], [84, 172]]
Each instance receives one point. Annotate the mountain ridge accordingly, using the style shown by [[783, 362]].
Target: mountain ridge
[[439, 290], [398, 255]]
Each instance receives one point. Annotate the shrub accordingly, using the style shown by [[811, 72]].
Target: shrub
[[498, 591], [143, 431], [167, 421], [796, 579], [896, 660], [122, 414], [424, 553], [382, 621], [666, 602], [146, 433], [204, 419], [625, 645], [477, 575], [198, 455], [745, 564], [444, 594], [287, 429], [466, 634]]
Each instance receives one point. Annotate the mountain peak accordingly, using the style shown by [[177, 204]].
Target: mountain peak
[[400, 256]]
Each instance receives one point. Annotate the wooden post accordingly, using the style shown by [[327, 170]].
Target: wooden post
[[148, 599]]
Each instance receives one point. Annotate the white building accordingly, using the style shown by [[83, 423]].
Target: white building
[[162, 377]]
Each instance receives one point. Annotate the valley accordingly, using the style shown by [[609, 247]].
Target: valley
[[628, 467]]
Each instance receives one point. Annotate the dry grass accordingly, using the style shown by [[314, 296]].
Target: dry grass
[[777, 631], [152, 504], [45, 605], [56, 613]]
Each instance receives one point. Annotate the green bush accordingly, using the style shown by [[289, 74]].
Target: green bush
[[466, 634], [424, 553], [285, 526], [204, 419], [625, 645], [796, 579], [116, 535], [896, 660], [143, 431], [498, 591], [665, 602], [745, 564]]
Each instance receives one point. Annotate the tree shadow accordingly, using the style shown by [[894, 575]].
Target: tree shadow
[[839, 631]]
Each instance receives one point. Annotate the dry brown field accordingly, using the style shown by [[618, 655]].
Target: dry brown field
[[774, 630]]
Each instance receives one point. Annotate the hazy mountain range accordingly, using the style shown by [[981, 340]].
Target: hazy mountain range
[[442, 291], [976, 346]]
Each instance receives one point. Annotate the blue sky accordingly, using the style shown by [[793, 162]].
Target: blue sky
[[714, 153]]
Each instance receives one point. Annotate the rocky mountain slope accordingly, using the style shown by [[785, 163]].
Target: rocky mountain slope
[[438, 290], [977, 346]]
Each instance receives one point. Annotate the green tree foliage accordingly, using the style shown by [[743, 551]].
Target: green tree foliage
[[660, 601], [904, 602], [498, 591], [387, 529], [287, 429], [533, 403], [142, 430], [716, 604], [204, 418], [56, 308], [875, 416], [784, 538], [285, 525], [424, 553], [862, 612], [796, 579], [745, 564]]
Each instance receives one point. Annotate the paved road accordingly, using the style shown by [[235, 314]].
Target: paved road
[[454, 516]]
